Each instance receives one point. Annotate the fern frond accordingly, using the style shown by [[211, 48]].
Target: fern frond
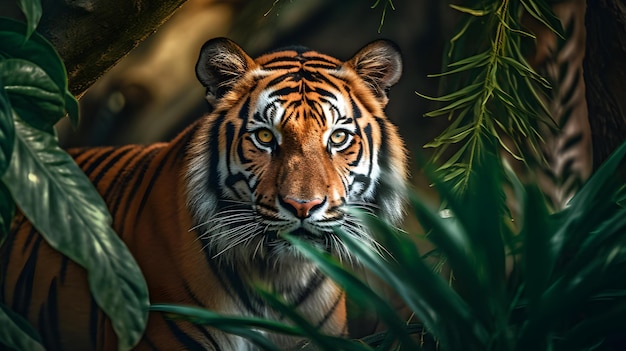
[[494, 97]]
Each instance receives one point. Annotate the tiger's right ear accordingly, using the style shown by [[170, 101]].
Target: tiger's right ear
[[221, 64]]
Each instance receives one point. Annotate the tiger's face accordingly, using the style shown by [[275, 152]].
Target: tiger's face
[[295, 140]]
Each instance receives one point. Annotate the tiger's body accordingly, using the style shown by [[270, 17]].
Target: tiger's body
[[295, 138]]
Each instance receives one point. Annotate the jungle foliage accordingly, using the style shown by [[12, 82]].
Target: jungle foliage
[[532, 280]]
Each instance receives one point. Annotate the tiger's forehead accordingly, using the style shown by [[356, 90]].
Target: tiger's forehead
[[296, 58]]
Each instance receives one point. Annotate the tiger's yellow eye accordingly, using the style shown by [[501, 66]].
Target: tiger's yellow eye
[[264, 136], [338, 137]]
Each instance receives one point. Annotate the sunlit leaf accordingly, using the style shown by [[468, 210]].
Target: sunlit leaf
[[34, 96], [39, 51], [60, 201]]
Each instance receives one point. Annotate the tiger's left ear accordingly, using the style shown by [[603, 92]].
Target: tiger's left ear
[[379, 64]]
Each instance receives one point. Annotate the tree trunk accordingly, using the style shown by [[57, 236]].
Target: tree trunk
[[92, 35], [605, 75]]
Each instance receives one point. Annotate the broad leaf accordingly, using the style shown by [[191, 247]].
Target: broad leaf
[[7, 140], [7, 211], [62, 204], [16, 333], [37, 50], [34, 96], [7, 130]]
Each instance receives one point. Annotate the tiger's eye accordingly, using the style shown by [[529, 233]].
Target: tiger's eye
[[338, 137], [264, 136]]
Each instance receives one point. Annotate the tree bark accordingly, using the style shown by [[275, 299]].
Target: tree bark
[[605, 75], [92, 35]]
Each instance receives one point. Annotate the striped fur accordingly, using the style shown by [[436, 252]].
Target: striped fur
[[295, 139]]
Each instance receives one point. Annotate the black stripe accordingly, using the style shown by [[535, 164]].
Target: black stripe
[[32, 234], [63, 270], [356, 112], [232, 283], [191, 294], [49, 319], [88, 153], [311, 287], [329, 65], [140, 171], [149, 342], [23, 291], [187, 342], [330, 312], [116, 156], [209, 337], [94, 316], [103, 155], [370, 143], [152, 181], [244, 112], [121, 178], [213, 152], [284, 91]]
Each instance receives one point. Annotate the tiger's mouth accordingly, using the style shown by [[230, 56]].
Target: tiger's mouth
[[300, 233]]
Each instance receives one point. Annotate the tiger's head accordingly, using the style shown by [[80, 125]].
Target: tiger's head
[[296, 138]]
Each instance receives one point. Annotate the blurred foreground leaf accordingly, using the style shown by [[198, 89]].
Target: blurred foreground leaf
[[61, 203]]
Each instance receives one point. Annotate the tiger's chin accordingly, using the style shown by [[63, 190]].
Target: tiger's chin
[[273, 250]]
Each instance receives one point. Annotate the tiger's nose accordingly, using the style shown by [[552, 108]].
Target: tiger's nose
[[301, 208]]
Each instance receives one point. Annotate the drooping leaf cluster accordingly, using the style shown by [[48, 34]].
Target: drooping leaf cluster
[[489, 89], [50, 189]]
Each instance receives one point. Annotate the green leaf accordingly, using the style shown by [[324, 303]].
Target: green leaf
[[326, 342], [590, 200], [32, 12], [61, 203], [7, 141], [473, 12], [7, 129], [39, 51], [34, 96], [16, 333], [355, 288], [7, 211], [242, 326], [537, 259], [542, 12], [71, 106], [436, 304]]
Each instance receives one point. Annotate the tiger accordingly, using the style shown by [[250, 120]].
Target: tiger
[[295, 139]]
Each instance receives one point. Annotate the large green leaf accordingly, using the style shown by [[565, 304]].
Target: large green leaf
[[39, 51], [16, 333], [7, 130], [7, 211], [34, 96], [7, 140], [62, 204]]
